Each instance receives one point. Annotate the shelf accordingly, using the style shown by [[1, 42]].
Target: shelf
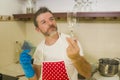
[[85, 16], [23, 17]]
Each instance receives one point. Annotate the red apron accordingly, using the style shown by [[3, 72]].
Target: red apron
[[54, 71]]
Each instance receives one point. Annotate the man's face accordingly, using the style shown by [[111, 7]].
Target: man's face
[[46, 24]]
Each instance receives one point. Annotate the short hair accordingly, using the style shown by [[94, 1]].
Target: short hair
[[40, 11]]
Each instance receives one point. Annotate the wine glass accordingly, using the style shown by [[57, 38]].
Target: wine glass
[[72, 16], [71, 20]]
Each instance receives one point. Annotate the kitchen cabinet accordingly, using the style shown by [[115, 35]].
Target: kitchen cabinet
[[81, 16]]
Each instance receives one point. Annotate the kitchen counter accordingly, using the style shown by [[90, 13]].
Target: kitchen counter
[[95, 74], [14, 70], [7, 77], [11, 71]]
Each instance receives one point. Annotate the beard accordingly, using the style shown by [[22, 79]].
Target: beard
[[50, 31]]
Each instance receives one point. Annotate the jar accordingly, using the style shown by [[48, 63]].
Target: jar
[[30, 6]]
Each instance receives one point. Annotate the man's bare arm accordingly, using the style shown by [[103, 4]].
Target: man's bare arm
[[37, 69], [80, 63]]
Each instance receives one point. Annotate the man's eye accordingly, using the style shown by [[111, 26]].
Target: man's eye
[[43, 22]]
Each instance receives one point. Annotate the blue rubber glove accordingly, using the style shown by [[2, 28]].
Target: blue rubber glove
[[25, 61]]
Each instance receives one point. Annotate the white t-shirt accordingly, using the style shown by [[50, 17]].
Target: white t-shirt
[[56, 52]]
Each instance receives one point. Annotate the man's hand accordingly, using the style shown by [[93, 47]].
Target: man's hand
[[73, 49], [80, 63], [25, 61], [25, 57]]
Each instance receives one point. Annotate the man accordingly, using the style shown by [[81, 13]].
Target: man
[[58, 57]]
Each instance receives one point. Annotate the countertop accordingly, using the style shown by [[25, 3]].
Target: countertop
[[12, 70]]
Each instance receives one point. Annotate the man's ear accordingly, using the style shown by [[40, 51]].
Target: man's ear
[[37, 29]]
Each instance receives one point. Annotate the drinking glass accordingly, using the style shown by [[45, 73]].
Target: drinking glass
[[71, 20]]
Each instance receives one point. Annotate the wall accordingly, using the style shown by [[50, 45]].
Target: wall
[[10, 31], [9, 7], [97, 5], [98, 39], [32, 35]]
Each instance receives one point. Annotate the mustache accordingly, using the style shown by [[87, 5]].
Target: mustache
[[52, 26]]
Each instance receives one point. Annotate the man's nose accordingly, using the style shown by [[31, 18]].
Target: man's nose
[[50, 22]]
